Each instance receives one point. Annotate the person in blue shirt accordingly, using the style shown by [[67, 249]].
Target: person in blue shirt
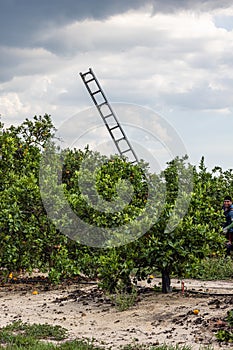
[[228, 226]]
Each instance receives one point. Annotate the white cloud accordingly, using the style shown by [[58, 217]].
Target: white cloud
[[170, 61]]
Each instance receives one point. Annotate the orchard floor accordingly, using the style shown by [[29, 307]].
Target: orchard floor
[[156, 318]]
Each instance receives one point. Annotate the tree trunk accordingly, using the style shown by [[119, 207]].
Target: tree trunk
[[166, 281]]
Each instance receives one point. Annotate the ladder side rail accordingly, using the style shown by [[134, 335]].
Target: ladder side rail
[[105, 102], [89, 89], [118, 146], [120, 128], [110, 108]]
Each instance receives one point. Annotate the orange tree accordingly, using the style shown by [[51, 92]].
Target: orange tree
[[29, 239], [94, 204], [109, 196], [25, 231], [176, 250], [170, 250]]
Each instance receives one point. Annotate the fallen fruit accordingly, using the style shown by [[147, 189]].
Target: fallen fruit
[[35, 292], [196, 311]]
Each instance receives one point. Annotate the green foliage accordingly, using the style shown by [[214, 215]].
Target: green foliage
[[79, 345], [212, 268], [123, 300], [23, 335], [18, 335], [226, 335], [182, 211], [24, 227], [230, 318], [38, 331]]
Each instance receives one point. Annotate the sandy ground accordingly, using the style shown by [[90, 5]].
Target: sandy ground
[[156, 318]]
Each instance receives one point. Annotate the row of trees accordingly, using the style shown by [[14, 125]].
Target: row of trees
[[121, 229]]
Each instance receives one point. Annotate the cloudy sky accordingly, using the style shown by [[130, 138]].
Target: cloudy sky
[[173, 58]]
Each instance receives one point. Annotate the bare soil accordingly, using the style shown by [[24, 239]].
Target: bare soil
[[155, 319]]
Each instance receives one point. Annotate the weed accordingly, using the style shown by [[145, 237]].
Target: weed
[[226, 335], [123, 300], [19, 335], [214, 268], [38, 331]]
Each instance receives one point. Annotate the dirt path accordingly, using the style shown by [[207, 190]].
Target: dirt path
[[155, 319]]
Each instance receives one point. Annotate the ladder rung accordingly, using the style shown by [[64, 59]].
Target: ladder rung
[[102, 104], [111, 124], [117, 126], [127, 150], [122, 138], [89, 80], [95, 92], [88, 72], [107, 116]]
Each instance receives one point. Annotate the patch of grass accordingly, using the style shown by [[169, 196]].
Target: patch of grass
[[123, 301], [69, 345], [79, 345], [19, 341], [38, 331], [19, 335], [226, 335], [38, 345], [214, 268]]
